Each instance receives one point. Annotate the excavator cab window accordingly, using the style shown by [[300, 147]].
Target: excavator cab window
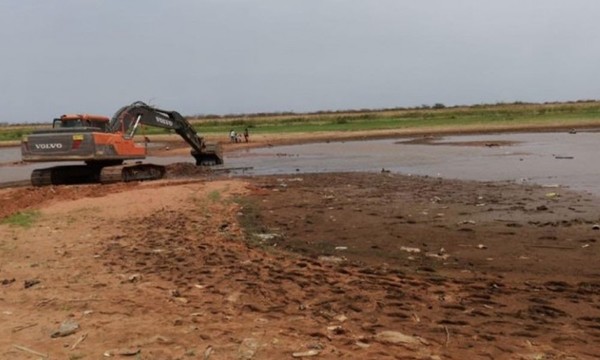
[[71, 123], [78, 123]]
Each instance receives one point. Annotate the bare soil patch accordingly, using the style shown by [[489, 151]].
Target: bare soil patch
[[370, 266]]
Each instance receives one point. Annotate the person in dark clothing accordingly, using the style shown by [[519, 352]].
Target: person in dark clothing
[[246, 134]]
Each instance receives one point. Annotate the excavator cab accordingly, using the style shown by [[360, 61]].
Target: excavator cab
[[74, 121]]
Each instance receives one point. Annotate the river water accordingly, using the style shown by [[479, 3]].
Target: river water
[[543, 158]]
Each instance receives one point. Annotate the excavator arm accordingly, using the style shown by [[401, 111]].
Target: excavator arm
[[128, 118]]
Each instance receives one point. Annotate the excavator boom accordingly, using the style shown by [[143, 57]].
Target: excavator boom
[[128, 118]]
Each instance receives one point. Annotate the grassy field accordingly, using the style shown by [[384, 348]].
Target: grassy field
[[516, 115]]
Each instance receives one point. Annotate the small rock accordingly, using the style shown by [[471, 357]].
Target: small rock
[[301, 354], [341, 318], [398, 338], [336, 329], [128, 351], [362, 345], [134, 278], [68, 327], [596, 227], [247, 349], [481, 246], [332, 259]]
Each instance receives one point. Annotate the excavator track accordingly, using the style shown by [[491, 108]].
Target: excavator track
[[134, 172], [86, 174], [41, 177], [65, 175]]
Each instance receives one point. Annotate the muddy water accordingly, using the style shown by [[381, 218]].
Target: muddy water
[[543, 158]]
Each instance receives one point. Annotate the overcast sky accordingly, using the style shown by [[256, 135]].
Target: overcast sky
[[236, 56]]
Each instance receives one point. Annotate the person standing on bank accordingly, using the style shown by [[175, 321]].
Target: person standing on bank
[[246, 135]]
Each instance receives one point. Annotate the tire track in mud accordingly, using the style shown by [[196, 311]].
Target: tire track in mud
[[344, 306]]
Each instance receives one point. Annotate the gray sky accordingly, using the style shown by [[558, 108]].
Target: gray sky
[[234, 56]]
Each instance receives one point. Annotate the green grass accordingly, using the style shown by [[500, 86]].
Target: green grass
[[10, 134], [250, 221], [425, 117], [511, 115], [214, 196], [23, 219]]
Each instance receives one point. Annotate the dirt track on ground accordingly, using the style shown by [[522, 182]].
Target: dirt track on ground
[[323, 266]]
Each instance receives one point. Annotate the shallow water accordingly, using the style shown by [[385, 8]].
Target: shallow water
[[543, 158]]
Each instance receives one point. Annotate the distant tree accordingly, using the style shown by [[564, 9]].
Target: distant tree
[[439, 106]]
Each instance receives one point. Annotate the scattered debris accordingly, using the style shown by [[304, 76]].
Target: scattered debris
[[410, 249], [447, 336], [266, 237], [123, 352], [29, 283], [341, 248], [8, 281], [439, 256], [79, 341], [208, 352], [563, 157], [23, 327], [465, 222]]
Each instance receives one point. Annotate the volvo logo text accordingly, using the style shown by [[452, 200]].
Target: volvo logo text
[[48, 146], [164, 121]]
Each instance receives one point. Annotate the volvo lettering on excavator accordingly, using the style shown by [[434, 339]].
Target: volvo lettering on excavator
[[105, 143]]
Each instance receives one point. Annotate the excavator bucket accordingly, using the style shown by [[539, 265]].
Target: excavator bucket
[[211, 155]]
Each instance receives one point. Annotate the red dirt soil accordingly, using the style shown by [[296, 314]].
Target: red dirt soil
[[328, 266]]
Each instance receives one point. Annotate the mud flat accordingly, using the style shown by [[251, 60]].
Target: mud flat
[[327, 266]]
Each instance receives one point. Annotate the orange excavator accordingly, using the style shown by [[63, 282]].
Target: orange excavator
[[104, 144]]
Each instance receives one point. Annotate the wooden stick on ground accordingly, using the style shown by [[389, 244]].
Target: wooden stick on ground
[[23, 348]]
